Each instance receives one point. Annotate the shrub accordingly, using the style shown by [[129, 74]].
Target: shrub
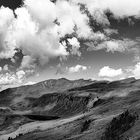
[[86, 125], [119, 125]]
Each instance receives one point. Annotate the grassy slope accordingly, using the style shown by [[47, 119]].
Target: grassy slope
[[115, 98]]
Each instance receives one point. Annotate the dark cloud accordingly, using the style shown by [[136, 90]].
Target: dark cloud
[[12, 4], [126, 26]]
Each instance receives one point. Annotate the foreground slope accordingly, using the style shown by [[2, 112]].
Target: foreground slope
[[71, 110]]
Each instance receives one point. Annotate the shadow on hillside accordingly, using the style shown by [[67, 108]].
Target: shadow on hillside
[[41, 117]]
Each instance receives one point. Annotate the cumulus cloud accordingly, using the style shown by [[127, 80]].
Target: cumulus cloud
[[77, 68], [69, 70], [73, 19], [75, 46], [136, 71], [37, 28], [10, 78], [112, 45], [43, 11], [35, 32], [106, 71], [5, 68], [37, 35], [20, 74], [6, 17], [41, 44], [27, 62]]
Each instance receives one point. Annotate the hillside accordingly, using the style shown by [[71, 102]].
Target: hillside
[[71, 110]]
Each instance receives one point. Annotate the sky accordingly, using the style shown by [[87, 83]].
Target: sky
[[50, 39]]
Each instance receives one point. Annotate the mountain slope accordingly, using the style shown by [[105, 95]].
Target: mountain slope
[[70, 110]]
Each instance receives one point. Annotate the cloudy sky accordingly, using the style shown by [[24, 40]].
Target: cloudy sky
[[90, 39]]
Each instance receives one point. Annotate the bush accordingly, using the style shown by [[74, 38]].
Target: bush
[[86, 125]]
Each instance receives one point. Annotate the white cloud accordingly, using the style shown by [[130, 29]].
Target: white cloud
[[30, 83], [0, 69], [112, 45], [34, 32], [5, 67], [7, 78], [46, 12], [77, 68], [6, 17], [10, 78], [120, 8], [75, 46], [43, 11], [20, 74], [27, 62], [136, 71], [109, 31], [69, 70], [33, 41], [106, 71], [69, 16], [100, 17]]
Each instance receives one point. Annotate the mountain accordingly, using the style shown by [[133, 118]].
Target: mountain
[[62, 109], [50, 86]]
